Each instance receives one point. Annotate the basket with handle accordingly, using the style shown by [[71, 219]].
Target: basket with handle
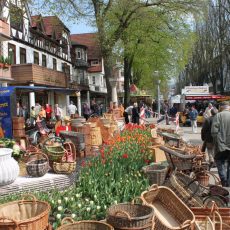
[[223, 214], [155, 173], [24, 214], [64, 167], [37, 164], [170, 211], [83, 225], [129, 215]]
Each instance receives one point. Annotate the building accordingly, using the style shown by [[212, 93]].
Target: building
[[38, 49], [96, 79]]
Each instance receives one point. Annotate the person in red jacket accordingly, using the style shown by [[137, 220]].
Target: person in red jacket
[[48, 112]]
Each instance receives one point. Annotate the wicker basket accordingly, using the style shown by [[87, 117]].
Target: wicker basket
[[170, 211], [64, 167], [24, 215], [156, 173], [186, 189], [127, 215], [37, 165], [70, 151], [54, 153], [84, 225]]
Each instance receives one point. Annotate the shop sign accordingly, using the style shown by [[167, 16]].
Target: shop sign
[[208, 97], [191, 90], [5, 113]]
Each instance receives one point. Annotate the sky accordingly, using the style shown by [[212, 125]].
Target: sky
[[80, 28]]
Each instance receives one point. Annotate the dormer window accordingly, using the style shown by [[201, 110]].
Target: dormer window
[[95, 62], [79, 54]]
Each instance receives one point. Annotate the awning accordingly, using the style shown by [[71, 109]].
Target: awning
[[205, 97]]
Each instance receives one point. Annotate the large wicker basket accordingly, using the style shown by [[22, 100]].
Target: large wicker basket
[[64, 167], [37, 165], [84, 225], [24, 215], [170, 212], [127, 215], [156, 173]]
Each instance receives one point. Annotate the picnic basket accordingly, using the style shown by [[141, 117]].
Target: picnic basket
[[83, 225], [156, 173], [64, 167], [37, 164], [170, 211], [129, 215], [24, 214]]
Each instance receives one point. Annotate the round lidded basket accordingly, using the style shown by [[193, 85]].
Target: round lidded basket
[[84, 225], [26, 214], [128, 215], [37, 164]]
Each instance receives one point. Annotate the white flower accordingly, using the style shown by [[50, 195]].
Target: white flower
[[52, 201], [105, 207], [79, 205], [115, 202], [78, 195], [59, 201], [66, 198], [88, 209], [73, 215], [91, 202], [87, 200], [58, 216], [95, 196], [72, 198], [98, 207], [60, 208]]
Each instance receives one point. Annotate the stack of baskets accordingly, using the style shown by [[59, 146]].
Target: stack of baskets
[[83, 225], [24, 214], [68, 162], [130, 216], [37, 164], [156, 173]]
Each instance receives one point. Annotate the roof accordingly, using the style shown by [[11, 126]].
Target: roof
[[89, 40], [50, 24], [95, 69]]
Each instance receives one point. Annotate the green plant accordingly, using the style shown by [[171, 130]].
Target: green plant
[[5, 60]]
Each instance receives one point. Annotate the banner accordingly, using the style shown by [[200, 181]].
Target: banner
[[5, 113]]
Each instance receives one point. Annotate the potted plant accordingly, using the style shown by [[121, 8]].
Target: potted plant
[[5, 62]]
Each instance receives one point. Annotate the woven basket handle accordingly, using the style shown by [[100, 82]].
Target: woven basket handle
[[186, 224], [123, 212], [217, 180], [38, 156], [68, 220], [215, 213], [8, 218], [29, 196], [153, 187], [135, 199]]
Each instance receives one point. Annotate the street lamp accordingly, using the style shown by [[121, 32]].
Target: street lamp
[[156, 73]]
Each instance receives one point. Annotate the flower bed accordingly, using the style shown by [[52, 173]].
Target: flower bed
[[114, 176]]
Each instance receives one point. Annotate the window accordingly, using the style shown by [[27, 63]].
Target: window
[[44, 60], [94, 80], [54, 64], [12, 53], [22, 56], [94, 63], [78, 54], [16, 17], [36, 58]]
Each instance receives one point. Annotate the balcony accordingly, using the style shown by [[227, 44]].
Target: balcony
[[5, 74], [81, 63], [4, 31], [25, 73]]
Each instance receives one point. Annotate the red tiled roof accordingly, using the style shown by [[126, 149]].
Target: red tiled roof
[[89, 40], [35, 19], [95, 69]]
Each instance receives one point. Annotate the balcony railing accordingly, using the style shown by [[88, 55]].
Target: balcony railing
[[81, 63], [4, 31], [40, 75]]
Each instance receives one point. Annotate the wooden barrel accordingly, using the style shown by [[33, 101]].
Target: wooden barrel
[[77, 121], [18, 127], [96, 138]]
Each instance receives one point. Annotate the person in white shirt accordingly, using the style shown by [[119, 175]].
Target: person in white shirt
[[207, 113], [72, 109], [127, 113], [57, 112]]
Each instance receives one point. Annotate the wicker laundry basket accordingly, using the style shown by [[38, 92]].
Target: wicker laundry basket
[[128, 215], [24, 215], [170, 212], [84, 225]]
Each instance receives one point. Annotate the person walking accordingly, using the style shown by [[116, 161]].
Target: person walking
[[19, 110], [166, 112], [32, 116], [72, 109], [48, 112], [193, 117], [221, 138], [207, 112], [57, 112], [127, 113], [86, 111], [206, 137], [42, 113], [37, 109], [135, 114]]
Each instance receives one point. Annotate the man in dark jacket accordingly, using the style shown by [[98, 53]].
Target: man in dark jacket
[[207, 137], [221, 137], [193, 117]]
